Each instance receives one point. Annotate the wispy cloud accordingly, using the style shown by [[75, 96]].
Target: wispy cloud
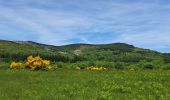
[[144, 23]]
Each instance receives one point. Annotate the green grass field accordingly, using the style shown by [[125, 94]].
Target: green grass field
[[69, 84]]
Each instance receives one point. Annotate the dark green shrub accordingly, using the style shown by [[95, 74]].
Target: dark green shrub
[[84, 64], [166, 67], [119, 65], [105, 64], [60, 65], [148, 66]]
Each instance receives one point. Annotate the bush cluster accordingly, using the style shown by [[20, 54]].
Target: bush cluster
[[33, 63], [16, 65]]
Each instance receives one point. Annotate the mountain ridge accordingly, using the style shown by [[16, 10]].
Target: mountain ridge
[[75, 44]]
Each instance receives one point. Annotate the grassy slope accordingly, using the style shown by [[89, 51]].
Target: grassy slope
[[107, 52], [12, 47], [66, 84]]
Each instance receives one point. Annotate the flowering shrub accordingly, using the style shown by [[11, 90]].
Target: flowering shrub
[[16, 65], [78, 68], [95, 68], [35, 63]]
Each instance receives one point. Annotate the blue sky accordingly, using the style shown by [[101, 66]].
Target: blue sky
[[143, 23]]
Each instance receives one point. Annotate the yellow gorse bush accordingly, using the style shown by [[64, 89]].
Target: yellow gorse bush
[[16, 65], [35, 63], [95, 68], [78, 68]]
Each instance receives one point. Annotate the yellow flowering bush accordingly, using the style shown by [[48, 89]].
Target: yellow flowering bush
[[95, 68], [35, 63], [16, 65], [78, 68]]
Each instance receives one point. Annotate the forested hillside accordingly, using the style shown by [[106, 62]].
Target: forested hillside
[[117, 53]]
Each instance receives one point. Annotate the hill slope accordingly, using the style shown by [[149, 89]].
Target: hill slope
[[116, 52]]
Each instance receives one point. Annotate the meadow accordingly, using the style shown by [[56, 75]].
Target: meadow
[[72, 84]]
